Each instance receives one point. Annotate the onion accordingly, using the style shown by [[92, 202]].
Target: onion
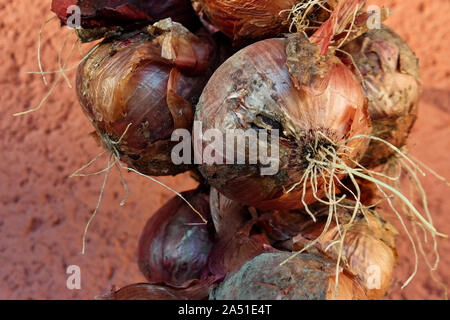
[[392, 82], [137, 89], [314, 100], [101, 16], [304, 277], [174, 244], [145, 291], [243, 20], [368, 247]]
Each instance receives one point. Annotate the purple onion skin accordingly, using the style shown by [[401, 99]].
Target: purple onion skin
[[170, 250], [98, 17], [126, 82]]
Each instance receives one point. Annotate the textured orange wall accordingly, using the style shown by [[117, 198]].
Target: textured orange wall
[[43, 212]]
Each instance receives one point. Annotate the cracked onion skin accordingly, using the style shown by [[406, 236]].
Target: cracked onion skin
[[151, 82], [170, 250], [304, 277], [393, 86], [256, 89]]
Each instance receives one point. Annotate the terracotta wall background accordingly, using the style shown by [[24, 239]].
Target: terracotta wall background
[[43, 212]]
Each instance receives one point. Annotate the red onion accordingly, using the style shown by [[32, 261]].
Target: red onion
[[149, 83], [174, 244], [304, 277], [314, 100], [106, 15], [392, 82], [243, 20]]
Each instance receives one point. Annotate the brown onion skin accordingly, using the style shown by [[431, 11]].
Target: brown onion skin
[[304, 277], [370, 241], [98, 17], [127, 81], [171, 251], [255, 86], [393, 87], [145, 291], [250, 20]]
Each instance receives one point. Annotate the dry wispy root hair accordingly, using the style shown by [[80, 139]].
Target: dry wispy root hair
[[298, 15], [62, 65], [111, 146], [328, 163]]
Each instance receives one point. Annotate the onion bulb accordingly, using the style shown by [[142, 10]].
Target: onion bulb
[[228, 216], [368, 251], [174, 245], [243, 20], [392, 83], [304, 277], [100, 17], [313, 100], [138, 88]]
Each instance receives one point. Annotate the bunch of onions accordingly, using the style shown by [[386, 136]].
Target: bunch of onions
[[368, 246], [391, 80], [137, 89], [278, 276], [175, 243], [298, 87], [100, 17], [248, 20]]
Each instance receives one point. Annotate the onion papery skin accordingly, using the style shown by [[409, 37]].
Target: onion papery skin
[[248, 19], [230, 253], [99, 17], [304, 277], [255, 89], [369, 242], [145, 291], [393, 86], [228, 216], [244, 21], [172, 250], [134, 80]]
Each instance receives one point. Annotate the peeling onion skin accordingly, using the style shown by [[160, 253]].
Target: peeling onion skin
[[171, 251], [249, 19], [244, 21], [369, 242], [152, 82], [103, 17], [393, 87], [145, 291], [228, 216], [305, 277], [255, 89]]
